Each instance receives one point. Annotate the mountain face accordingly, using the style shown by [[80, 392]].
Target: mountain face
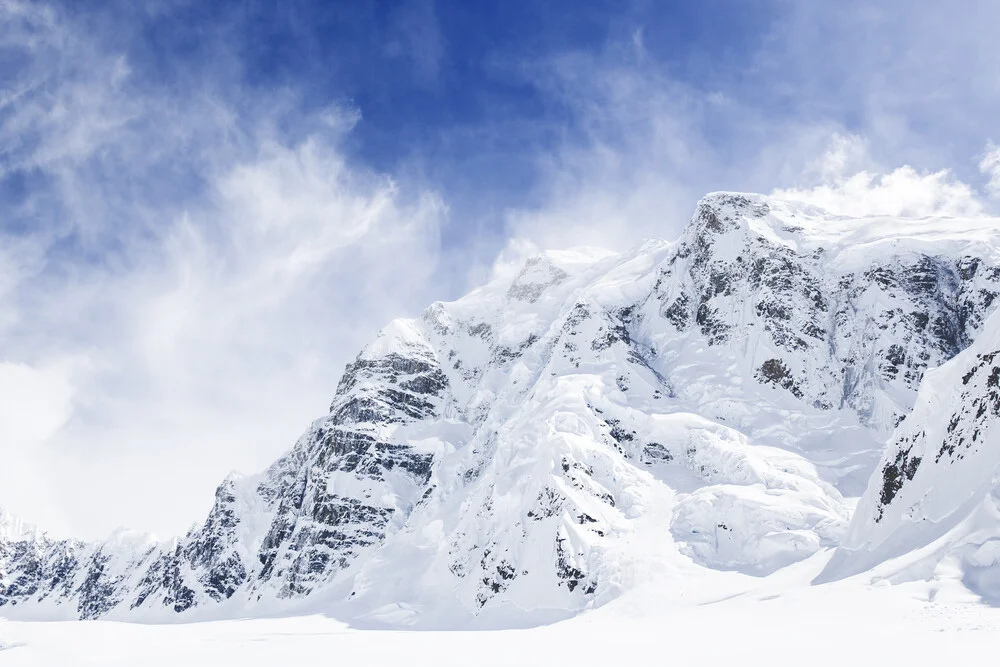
[[936, 492], [546, 442]]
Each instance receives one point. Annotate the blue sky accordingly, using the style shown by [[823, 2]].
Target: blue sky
[[453, 94], [207, 208]]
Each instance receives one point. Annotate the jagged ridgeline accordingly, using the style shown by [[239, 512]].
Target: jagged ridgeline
[[542, 444]]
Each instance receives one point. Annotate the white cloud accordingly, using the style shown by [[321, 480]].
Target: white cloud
[[34, 404], [647, 152], [902, 192], [846, 154], [511, 259], [989, 165], [227, 336], [209, 267], [634, 164]]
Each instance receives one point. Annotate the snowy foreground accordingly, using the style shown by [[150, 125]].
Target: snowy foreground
[[781, 622]]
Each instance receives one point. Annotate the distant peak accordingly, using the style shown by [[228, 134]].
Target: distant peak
[[537, 275]]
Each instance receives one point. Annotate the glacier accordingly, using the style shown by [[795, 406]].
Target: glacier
[[702, 413]]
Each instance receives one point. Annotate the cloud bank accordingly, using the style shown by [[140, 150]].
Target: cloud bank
[[902, 192]]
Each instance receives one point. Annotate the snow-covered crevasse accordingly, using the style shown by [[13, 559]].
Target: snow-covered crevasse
[[935, 497], [536, 446]]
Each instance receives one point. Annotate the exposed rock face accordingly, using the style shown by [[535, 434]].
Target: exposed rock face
[[851, 317], [503, 450]]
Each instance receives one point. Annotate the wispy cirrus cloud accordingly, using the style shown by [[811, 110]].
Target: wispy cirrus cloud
[[171, 265], [989, 165]]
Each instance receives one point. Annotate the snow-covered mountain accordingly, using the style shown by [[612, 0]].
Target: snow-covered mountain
[[935, 497], [688, 409]]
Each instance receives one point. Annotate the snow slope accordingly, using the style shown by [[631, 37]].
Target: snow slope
[[692, 411], [936, 492], [787, 624]]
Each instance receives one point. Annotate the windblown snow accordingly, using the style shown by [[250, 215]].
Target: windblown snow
[[700, 413]]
